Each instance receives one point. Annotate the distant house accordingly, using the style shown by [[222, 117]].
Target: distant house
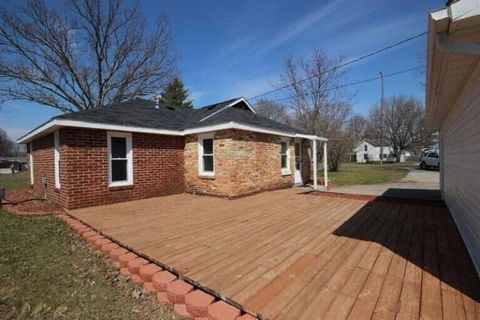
[[453, 109], [139, 149], [17, 163], [368, 150]]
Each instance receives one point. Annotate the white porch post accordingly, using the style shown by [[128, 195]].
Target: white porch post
[[314, 160], [325, 165]]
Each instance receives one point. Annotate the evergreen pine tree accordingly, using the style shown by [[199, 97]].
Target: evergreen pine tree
[[175, 94]]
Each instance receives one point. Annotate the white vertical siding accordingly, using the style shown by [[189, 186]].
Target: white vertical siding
[[460, 166]]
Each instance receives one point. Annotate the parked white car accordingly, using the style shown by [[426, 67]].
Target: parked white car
[[430, 159]]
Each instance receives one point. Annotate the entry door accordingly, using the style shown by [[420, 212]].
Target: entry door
[[298, 164]]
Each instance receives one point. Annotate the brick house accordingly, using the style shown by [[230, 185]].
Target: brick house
[[140, 149]]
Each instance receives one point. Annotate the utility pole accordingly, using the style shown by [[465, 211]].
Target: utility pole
[[381, 119]]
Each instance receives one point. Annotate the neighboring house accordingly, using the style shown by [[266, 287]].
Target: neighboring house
[[368, 150], [17, 163], [139, 149], [453, 108]]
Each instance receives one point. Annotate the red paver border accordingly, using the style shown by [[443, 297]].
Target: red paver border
[[188, 298]]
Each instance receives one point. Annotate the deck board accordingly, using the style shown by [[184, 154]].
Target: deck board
[[289, 255]]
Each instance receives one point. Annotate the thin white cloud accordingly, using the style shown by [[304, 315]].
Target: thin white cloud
[[373, 36], [237, 45], [250, 87], [331, 15], [303, 24], [196, 95]]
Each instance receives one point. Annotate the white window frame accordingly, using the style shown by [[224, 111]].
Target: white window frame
[[32, 177], [287, 170], [56, 144], [129, 159], [201, 170]]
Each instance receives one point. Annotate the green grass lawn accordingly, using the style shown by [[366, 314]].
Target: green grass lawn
[[353, 173], [48, 272], [14, 181]]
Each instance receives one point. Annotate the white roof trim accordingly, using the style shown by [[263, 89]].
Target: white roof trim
[[449, 30], [239, 126], [58, 123], [228, 106]]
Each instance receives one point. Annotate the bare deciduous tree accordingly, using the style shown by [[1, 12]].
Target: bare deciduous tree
[[404, 124], [7, 146], [82, 54], [358, 127], [272, 110], [317, 103]]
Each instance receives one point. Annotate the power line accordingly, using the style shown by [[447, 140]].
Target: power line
[[387, 75], [343, 64]]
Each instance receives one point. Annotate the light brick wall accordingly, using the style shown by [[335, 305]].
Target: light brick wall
[[157, 167], [245, 163]]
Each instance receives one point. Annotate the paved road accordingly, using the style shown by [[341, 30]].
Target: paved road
[[417, 184]]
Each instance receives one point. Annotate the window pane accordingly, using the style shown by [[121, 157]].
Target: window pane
[[284, 161], [207, 146], [119, 170], [284, 148], [208, 163], [119, 147]]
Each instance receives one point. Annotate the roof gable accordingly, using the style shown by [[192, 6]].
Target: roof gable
[[373, 143], [239, 103]]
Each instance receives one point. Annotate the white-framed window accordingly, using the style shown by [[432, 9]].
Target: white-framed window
[[120, 159], [285, 156], [32, 179], [206, 158], [365, 147], [56, 144]]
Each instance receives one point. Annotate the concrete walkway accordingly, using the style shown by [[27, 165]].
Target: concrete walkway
[[417, 184]]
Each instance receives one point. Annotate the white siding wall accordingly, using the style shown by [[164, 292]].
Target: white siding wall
[[372, 152], [460, 166]]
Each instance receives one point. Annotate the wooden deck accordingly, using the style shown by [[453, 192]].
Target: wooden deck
[[287, 255]]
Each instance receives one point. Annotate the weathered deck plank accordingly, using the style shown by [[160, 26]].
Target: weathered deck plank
[[289, 255]]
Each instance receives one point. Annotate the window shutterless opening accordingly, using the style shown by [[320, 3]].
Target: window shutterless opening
[[56, 143], [285, 156], [32, 179], [120, 159], [206, 155]]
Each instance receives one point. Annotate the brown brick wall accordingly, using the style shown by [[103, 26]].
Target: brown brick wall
[[157, 167], [245, 162], [307, 160], [43, 167]]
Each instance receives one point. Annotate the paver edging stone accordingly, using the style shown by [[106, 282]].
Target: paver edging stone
[[173, 291]]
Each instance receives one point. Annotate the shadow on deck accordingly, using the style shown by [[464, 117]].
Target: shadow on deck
[[423, 233]]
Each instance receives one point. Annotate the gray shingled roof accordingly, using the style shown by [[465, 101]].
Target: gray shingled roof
[[376, 142], [143, 113]]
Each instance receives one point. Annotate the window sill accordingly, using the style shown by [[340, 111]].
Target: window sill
[[286, 173], [120, 184], [206, 176]]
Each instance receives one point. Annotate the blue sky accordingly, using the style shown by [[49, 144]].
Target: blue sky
[[236, 48]]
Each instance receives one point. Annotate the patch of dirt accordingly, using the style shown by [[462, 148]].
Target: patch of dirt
[[25, 202]]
